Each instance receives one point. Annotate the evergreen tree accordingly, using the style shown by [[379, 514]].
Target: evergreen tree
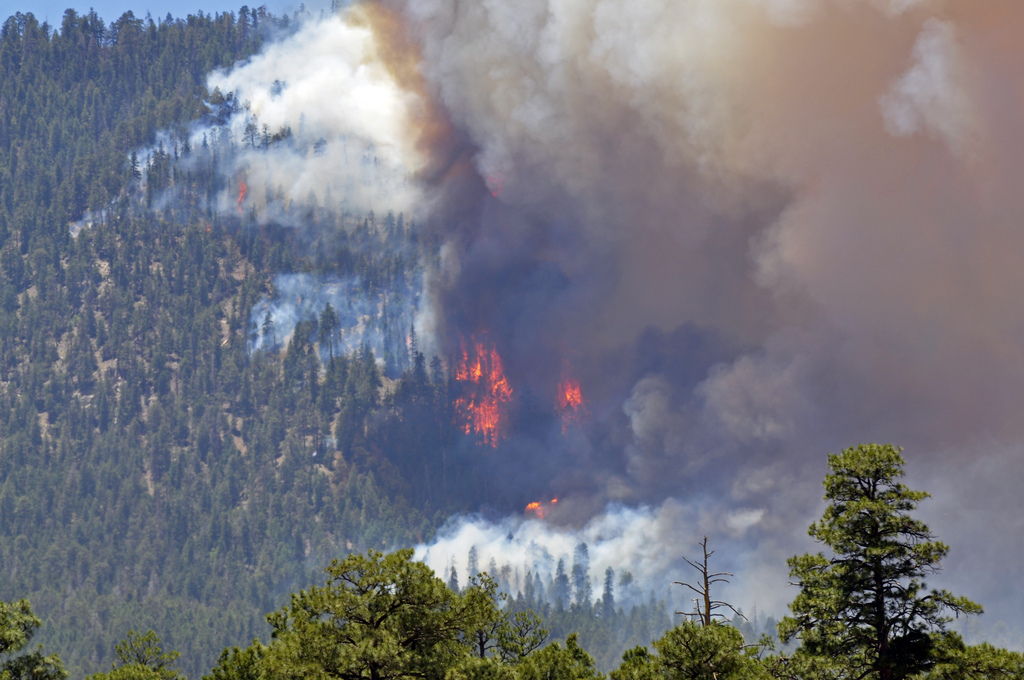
[[555, 662], [865, 608], [140, 657], [453, 579], [378, 616], [608, 597], [562, 589], [17, 626], [582, 591], [694, 651]]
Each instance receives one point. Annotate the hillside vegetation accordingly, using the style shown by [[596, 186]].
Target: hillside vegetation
[[155, 470]]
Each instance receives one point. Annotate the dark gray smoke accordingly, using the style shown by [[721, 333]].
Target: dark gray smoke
[[828, 189], [756, 231]]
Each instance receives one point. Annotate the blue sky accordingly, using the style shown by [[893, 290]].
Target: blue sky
[[53, 10]]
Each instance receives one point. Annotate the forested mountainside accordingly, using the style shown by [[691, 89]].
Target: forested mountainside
[[165, 461]]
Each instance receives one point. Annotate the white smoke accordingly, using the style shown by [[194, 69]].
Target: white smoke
[[317, 120], [380, 320], [928, 97], [648, 542], [831, 185]]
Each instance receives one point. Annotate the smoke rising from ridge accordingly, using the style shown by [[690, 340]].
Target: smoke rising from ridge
[[755, 230], [343, 120], [646, 542], [829, 186]]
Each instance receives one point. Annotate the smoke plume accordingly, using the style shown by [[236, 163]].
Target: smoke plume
[[828, 187], [756, 231]]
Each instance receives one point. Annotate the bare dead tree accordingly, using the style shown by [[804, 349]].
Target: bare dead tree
[[704, 606]]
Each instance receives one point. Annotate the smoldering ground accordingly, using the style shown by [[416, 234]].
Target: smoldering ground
[[813, 205]]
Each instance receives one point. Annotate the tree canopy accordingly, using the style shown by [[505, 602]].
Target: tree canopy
[[17, 626], [378, 617], [865, 605]]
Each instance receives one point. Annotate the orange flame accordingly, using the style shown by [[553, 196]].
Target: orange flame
[[540, 510], [242, 191], [495, 183], [487, 390], [570, 403]]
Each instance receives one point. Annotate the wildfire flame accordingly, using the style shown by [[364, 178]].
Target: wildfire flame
[[486, 391], [539, 509], [242, 190], [570, 403], [495, 183]]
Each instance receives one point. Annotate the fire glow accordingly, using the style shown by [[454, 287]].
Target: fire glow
[[486, 392], [540, 510], [495, 183], [242, 190], [570, 403]]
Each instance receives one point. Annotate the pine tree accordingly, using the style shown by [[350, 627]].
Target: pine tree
[[581, 575], [17, 626], [608, 598], [865, 608], [562, 588]]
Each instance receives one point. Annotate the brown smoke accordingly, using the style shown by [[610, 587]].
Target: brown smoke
[[834, 185], [433, 136], [845, 170]]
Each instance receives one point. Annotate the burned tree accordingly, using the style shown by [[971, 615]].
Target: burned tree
[[704, 605]]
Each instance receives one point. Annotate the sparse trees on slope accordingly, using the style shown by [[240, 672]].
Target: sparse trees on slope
[[865, 608]]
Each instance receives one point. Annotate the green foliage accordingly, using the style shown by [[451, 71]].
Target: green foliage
[[500, 631], [129, 672], [864, 611], [483, 591], [383, 617], [239, 664], [378, 616], [637, 664], [519, 634], [17, 626], [141, 658], [957, 661], [555, 662], [477, 668], [153, 472], [692, 651]]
